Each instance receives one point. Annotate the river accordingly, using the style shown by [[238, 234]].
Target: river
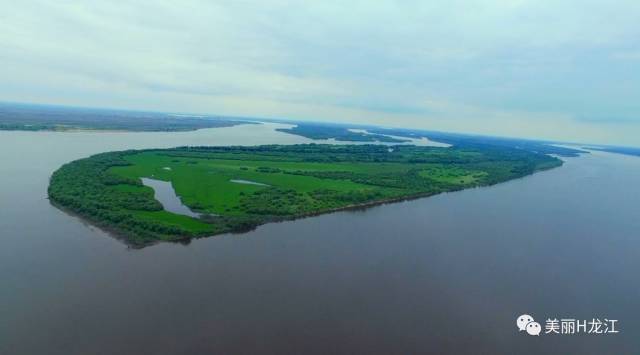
[[446, 274]]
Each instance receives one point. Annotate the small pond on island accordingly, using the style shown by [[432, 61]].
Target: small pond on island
[[166, 195]]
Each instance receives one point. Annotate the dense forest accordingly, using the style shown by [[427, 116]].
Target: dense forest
[[289, 181]]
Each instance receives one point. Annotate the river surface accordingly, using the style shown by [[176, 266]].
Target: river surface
[[446, 274]]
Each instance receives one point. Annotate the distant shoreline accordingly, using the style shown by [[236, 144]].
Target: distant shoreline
[[31, 118], [72, 129]]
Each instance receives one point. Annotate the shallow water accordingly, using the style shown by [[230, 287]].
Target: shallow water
[[247, 182], [446, 274], [166, 195]]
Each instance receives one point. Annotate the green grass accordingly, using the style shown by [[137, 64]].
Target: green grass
[[298, 180], [207, 185]]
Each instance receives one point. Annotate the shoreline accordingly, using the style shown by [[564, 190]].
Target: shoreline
[[114, 130]]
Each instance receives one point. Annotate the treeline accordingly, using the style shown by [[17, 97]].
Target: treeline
[[365, 153]]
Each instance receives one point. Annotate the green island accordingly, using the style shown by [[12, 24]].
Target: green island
[[235, 189]]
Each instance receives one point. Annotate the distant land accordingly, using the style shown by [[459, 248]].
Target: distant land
[[235, 189], [376, 134], [619, 150], [27, 117], [40, 117], [339, 133]]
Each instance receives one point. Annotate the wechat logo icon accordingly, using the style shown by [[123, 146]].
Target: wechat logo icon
[[526, 322]]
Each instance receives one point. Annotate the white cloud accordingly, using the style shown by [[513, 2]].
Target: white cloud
[[522, 67]]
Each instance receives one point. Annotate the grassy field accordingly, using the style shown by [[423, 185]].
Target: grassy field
[[206, 184], [286, 182]]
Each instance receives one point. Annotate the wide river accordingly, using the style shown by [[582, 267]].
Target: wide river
[[446, 274]]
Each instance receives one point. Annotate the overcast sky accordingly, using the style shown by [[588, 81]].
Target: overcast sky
[[552, 69]]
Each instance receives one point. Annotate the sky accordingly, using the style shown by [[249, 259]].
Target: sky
[[550, 69]]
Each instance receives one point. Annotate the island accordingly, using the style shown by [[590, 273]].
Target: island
[[235, 189]]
